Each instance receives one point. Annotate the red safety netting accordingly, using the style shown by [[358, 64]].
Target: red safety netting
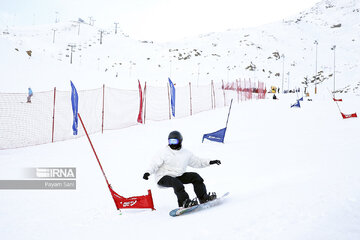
[[24, 124], [121, 108], [48, 118]]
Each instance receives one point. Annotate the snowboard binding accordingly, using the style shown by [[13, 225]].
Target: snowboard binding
[[208, 197]]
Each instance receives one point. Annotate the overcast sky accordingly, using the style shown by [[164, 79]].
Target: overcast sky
[[159, 20]]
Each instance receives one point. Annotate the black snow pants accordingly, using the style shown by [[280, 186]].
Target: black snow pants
[[177, 183]]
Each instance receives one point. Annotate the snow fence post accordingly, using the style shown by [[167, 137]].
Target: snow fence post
[[237, 90], [145, 102], [140, 116], [53, 118]]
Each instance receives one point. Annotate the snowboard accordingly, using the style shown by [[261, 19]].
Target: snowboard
[[180, 211]]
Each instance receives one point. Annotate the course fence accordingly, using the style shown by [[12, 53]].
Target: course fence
[[48, 118]]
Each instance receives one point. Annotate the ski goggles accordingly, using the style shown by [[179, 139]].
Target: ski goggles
[[173, 141]]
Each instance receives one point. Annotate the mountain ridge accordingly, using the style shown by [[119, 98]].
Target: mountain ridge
[[280, 53]]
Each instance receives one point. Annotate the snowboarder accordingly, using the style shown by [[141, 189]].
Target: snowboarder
[[30, 94], [169, 168]]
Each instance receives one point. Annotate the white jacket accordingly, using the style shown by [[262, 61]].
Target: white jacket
[[174, 162]]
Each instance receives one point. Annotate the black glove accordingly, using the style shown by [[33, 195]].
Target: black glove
[[146, 176], [215, 162]]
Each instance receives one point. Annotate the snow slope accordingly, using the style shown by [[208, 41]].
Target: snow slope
[[292, 174], [120, 60]]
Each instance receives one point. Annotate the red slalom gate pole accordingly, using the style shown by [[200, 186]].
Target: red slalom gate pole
[[97, 158], [121, 202]]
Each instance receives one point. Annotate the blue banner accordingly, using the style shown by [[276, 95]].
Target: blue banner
[[297, 104], [172, 94], [74, 103], [217, 136]]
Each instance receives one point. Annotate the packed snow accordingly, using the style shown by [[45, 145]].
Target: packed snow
[[292, 173]]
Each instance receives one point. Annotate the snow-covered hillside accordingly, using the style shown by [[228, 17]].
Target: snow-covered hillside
[[292, 173], [281, 54]]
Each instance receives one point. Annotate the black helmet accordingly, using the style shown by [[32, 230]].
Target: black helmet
[[175, 139]]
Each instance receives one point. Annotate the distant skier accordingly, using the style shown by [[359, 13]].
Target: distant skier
[[169, 168], [30, 94]]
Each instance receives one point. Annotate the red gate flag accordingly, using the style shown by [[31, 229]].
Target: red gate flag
[[345, 116], [121, 202], [145, 201], [337, 100]]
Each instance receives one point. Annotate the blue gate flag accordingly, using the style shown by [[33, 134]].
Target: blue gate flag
[[297, 104], [172, 94], [74, 104], [301, 99], [217, 136]]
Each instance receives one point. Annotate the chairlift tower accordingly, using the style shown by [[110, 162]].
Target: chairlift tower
[[116, 24], [54, 30], [72, 46], [334, 48], [101, 34]]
